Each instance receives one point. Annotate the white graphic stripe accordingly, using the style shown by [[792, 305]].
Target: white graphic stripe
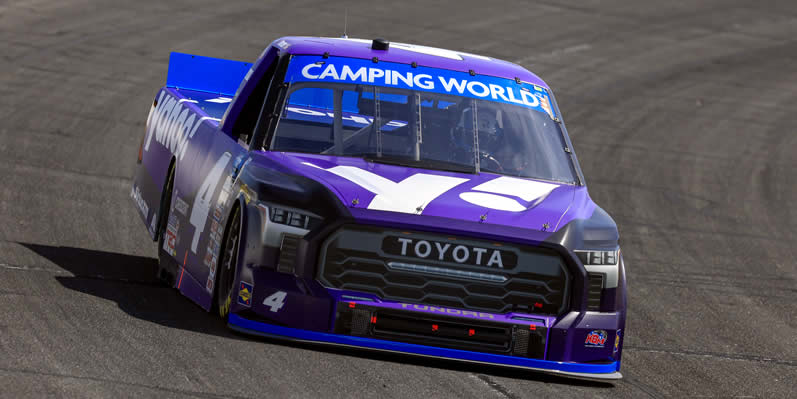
[[220, 100], [410, 195], [527, 190]]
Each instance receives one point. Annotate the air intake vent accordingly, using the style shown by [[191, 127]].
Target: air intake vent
[[288, 253], [360, 321], [521, 346], [594, 292]]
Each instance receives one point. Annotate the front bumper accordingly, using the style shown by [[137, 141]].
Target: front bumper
[[311, 314], [603, 371]]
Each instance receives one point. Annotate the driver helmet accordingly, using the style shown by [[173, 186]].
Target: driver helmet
[[489, 124]]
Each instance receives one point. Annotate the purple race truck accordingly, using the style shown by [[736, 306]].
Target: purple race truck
[[383, 196]]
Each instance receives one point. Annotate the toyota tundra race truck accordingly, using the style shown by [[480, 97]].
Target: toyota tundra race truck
[[384, 196]]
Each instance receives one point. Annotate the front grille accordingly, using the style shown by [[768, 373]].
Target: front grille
[[288, 253], [360, 258]]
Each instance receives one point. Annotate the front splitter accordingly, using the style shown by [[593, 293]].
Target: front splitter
[[600, 372]]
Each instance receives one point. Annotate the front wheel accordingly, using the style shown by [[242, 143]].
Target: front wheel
[[229, 261]]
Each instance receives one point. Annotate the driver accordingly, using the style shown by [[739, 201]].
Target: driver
[[490, 126]]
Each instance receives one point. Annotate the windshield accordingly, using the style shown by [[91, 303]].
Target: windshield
[[421, 128]]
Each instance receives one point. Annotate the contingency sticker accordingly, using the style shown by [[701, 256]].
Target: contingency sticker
[[180, 205], [245, 293], [170, 237], [135, 194], [214, 243], [596, 339]]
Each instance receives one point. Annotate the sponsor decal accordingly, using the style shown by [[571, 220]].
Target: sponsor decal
[[596, 339], [405, 196], [402, 76], [215, 246], [449, 311], [420, 189], [135, 194], [545, 104], [180, 205], [449, 252], [213, 263], [283, 44], [208, 257], [203, 199], [170, 237], [209, 284], [494, 194], [172, 124], [616, 342], [212, 249], [245, 293]]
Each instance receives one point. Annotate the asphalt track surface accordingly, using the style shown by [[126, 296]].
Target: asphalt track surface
[[683, 115]]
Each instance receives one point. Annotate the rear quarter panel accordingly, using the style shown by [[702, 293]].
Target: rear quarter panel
[[177, 131]]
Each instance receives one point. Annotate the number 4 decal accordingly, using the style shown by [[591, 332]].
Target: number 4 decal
[[201, 207], [275, 301]]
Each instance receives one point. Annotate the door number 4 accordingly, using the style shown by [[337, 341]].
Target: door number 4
[[275, 301]]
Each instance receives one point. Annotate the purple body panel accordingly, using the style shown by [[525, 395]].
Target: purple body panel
[[554, 210]]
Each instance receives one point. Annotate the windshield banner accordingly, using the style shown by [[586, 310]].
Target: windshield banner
[[307, 68]]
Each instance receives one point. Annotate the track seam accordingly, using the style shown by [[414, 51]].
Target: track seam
[[132, 384], [723, 356], [495, 386]]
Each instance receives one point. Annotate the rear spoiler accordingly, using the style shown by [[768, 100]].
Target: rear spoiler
[[212, 75]]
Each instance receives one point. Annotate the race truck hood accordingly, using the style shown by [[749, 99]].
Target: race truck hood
[[484, 197]]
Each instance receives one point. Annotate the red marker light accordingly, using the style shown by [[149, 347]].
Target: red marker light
[[434, 327], [351, 305], [537, 305], [532, 327], [471, 332], [373, 319]]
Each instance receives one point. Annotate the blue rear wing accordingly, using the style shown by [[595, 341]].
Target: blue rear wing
[[212, 75]]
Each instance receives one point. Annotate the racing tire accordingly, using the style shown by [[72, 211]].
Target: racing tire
[[228, 264], [167, 266]]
